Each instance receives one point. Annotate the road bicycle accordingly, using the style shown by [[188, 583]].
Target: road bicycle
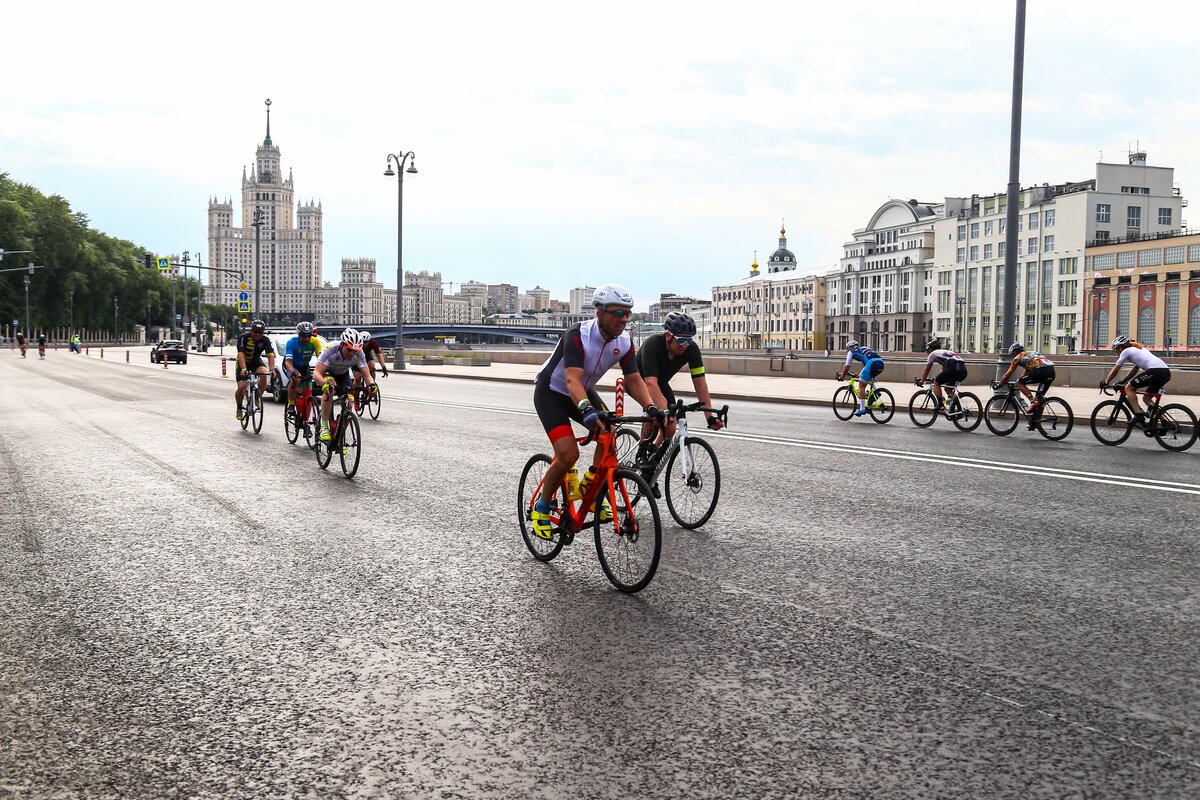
[[252, 405], [693, 474], [961, 408], [42, 351], [1053, 418], [880, 402], [345, 438], [630, 544], [369, 399], [304, 417], [22, 351], [1173, 426]]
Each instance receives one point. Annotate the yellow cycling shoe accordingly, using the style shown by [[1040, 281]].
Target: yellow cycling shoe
[[605, 511], [542, 527]]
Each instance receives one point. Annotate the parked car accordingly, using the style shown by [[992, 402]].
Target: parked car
[[277, 383], [171, 350]]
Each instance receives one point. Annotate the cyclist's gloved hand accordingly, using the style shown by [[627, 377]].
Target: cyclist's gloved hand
[[918, 382], [385, 372], [591, 418], [1103, 384], [655, 414], [715, 423]]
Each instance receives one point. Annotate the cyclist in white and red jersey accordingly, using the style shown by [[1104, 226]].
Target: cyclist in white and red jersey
[[564, 389], [1154, 373], [954, 369]]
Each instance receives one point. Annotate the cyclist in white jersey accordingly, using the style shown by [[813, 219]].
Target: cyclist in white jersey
[[1154, 373], [954, 370], [332, 373]]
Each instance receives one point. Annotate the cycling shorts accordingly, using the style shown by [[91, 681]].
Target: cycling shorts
[[344, 381], [253, 365], [305, 371], [1043, 376], [1152, 380], [556, 410], [871, 369], [953, 372]]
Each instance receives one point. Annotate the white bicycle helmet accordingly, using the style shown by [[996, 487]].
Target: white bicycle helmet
[[1120, 340], [612, 294], [351, 338], [853, 343], [364, 337]]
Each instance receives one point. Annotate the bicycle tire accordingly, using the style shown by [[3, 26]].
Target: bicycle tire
[[531, 479], [1175, 427], [247, 399], [350, 438], [312, 425], [845, 403], [626, 557], [291, 424], [887, 409], [1111, 422], [972, 412], [323, 449], [376, 404], [692, 498], [923, 413], [257, 413], [1055, 419], [1001, 415], [626, 445]]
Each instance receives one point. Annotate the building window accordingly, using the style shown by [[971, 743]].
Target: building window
[[987, 251], [962, 233], [1164, 216], [974, 252], [1123, 312], [1133, 217], [1149, 258], [1034, 219], [1194, 327], [988, 227], [1048, 218], [1000, 249], [1033, 245], [1145, 333], [1173, 255], [1103, 212], [1171, 316], [1193, 252], [1048, 244], [961, 255]]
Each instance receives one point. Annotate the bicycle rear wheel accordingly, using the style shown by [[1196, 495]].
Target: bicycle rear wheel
[[350, 436], [312, 423], [376, 404], [528, 491], [971, 412], [883, 406], [845, 402], [1110, 422], [922, 409], [626, 441], [1175, 427], [291, 424], [1001, 415], [630, 545], [692, 496], [1054, 419]]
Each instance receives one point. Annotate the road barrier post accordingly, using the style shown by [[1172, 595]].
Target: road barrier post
[[163, 356], [223, 368], [102, 352], [126, 356]]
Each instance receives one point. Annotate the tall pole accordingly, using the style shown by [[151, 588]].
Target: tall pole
[[187, 256], [1012, 263], [257, 225], [28, 327], [114, 319], [71, 296], [400, 160]]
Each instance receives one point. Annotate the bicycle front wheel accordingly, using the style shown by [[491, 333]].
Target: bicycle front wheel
[[528, 491], [626, 441], [247, 408], [969, 412], [1175, 427], [1110, 422], [291, 424], [692, 494], [351, 445], [1001, 415], [312, 424], [845, 402], [922, 409], [376, 404], [1055, 419], [630, 544], [324, 450], [883, 406], [257, 413]]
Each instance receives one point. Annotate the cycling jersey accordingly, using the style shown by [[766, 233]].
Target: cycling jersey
[[20, 338], [943, 357], [41, 341], [583, 346], [336, 364], [301, 353], [1141, 357], [1032, 361], [252, 349], [655, 360], [372, 346], [863, 354]]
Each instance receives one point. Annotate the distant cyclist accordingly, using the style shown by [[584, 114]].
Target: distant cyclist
[[41, 345], [1038, 369], [665, 354], [954, 369], [872, 365], [21, 342], [373, 353], [297, 359], [563, 390], [252, 346], [75, 343], [1154, 373], [332, 373]]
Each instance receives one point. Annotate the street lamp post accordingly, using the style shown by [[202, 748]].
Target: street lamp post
[[961, 318], [807, 305], [400, 160], [114, 319], [187, 256], [28, 330], [257, 225], [874, 326], [71, 299]]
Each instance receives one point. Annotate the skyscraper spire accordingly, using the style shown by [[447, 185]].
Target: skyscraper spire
[[267, 141]]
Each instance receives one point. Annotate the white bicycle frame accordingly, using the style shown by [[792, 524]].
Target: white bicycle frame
[[677, 443]]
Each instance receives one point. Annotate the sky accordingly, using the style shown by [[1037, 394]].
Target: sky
[[653, 144]]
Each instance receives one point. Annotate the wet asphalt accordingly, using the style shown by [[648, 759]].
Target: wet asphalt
[[191, 610]]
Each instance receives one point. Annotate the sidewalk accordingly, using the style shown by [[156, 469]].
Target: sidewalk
[[799, 391]]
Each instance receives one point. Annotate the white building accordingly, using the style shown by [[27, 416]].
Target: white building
[[581, 299], [1056, 223]]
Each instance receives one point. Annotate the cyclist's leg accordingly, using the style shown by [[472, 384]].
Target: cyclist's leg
[[939, 381], [555, 410], [293, 383]]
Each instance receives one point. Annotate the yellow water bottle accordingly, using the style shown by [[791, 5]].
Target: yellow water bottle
[[573, 484], [586, 480]]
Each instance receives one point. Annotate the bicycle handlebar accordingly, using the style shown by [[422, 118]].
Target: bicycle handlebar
[[1110, 388], [679, 409]]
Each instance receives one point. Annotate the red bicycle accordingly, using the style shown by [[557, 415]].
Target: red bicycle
[[303, 418]]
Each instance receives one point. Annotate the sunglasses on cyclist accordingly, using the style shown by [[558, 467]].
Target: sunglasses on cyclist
[[619, 312], [684, 341]]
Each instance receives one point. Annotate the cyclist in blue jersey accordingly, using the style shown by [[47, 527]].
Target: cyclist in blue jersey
[[954, 370], [298, 356], [872, 365]]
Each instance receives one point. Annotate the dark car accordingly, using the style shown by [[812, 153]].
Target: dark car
[[171, 350]]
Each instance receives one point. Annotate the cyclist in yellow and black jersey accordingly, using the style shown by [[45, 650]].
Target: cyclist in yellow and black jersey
[[252, 346]]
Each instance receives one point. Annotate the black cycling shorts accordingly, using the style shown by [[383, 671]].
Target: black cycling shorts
[[1152, 380], [954, 372], [345, 381], [556, 410], [1043, 376]]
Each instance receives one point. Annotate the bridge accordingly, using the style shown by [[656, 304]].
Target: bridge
[[386, 334]]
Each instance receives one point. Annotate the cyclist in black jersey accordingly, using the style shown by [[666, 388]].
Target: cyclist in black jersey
[[252, 346], [662, 356]]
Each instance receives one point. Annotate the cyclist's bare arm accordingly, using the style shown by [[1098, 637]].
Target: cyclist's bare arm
[[701, 385], [574, 376], [637, 388], [660, 399]]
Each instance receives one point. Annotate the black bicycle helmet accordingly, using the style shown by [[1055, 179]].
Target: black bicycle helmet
[[931, 345], [258, 326], [680, 324]]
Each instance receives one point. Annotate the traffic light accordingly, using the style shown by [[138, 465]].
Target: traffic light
[[150, 262], [245, 320]]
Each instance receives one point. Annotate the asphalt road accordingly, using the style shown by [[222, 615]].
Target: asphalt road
[[190, 610]]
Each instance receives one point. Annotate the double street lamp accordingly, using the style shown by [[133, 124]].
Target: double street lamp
[[400, 160]]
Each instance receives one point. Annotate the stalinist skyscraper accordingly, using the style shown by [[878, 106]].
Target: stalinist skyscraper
[[289, 263]]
